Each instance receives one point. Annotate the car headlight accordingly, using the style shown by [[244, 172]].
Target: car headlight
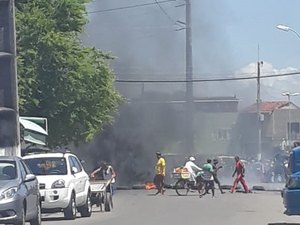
[[293, 182], [9, 193], [58, 184]]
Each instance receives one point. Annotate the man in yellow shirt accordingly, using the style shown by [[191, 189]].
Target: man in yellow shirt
[[160, 172]]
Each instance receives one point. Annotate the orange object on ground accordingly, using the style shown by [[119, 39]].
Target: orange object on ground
[[150, 186]]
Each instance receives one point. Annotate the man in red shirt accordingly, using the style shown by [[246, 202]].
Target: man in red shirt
[[240, 171]]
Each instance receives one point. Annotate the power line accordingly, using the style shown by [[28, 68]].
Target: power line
[[164, 12], [207, 80], [129, 7], [136, 73]]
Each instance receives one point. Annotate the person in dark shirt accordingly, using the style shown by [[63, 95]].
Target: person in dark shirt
[[215, 174], [105, 172]]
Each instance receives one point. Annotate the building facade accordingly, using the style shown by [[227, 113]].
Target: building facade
[[279, 121]]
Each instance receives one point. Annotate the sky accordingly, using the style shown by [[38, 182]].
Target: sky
[[229, 37]]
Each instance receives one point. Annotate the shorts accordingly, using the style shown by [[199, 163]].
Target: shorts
[[158, 179]]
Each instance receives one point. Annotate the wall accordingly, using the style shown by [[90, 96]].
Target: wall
[[209, 140]]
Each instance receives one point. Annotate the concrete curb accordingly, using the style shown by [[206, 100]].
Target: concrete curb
[[123, 188], [138, 187], [258, 188], [224, 187]]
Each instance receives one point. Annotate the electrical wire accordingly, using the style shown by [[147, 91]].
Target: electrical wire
[[207, 80], [164, 12], [129, 7]]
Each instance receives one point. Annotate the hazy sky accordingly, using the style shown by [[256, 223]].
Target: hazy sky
[[226, 36]]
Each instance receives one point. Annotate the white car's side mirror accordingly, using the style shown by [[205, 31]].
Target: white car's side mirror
[[29, 177], [74, 170]]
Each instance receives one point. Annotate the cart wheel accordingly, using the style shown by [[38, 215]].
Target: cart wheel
[[181, 187], [201, 187], [100, 200], [111, 200], [110, 196], [107, 202]]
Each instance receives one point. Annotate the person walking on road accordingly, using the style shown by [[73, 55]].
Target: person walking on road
[[215, 174], [208, 178], [105, 171], [240, 172], [160, 172]]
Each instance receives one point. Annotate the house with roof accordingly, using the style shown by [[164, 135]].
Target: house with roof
[[277, 117]]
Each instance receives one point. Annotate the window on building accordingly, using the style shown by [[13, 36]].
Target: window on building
[[294, 130], [222, 134]]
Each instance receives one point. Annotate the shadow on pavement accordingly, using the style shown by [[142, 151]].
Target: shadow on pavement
[[57, 218], [283, 223]]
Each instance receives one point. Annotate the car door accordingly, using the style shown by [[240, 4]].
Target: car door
[[32, 193], [75, 176], [81, 175], [83, 178]]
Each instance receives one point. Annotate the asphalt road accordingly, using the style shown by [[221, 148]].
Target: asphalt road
[[141, 207]]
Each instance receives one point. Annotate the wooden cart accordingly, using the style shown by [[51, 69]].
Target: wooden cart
[[101, 194]]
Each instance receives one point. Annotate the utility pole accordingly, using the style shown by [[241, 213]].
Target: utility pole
[[189, 82], [258, 101], [9, 115]]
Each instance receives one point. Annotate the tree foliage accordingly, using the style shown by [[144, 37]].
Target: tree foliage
[[59, 78]]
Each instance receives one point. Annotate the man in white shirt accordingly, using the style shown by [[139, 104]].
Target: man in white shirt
[[192, 168]]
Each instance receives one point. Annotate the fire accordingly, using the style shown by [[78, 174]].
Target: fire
[[150, 186]]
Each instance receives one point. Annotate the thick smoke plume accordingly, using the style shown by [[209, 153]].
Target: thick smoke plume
[[147, 46]]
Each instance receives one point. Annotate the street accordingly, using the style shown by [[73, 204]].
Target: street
[[141, 207]]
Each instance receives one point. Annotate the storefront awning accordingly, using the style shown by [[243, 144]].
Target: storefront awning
[[28, 125], [33, 140]]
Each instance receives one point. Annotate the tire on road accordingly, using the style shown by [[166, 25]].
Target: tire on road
[[37, 220], [70, 211], [86, 209], [21, 221]]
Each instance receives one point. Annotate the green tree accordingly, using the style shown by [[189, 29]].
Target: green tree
[[59, 78]]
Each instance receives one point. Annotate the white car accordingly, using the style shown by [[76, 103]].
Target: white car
[[64, 185]]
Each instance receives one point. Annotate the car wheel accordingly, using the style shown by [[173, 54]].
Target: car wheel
[[86, 209], [38, 218], [21, 221], [70, 211], [107, 202]]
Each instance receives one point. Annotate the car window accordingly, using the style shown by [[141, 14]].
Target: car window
[[23, 171], [47, 165], [8, 170], [26, 168], [74, 162]]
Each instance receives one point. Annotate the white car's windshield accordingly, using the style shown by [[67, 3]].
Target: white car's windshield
[[47, 166]]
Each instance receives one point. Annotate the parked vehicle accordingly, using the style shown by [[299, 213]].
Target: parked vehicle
[[64, 185], [19, 193], [291, 192]]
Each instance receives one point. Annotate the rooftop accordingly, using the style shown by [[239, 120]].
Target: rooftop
[[268, 107]]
